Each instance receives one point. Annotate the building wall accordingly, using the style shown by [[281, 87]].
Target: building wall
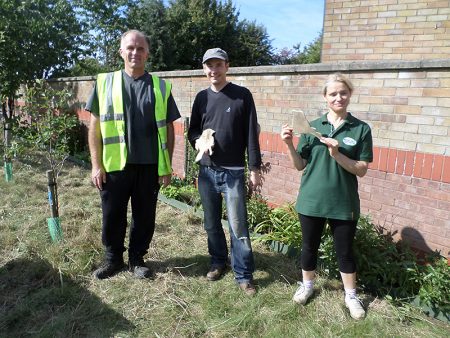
[[407, 105], [386, 30]]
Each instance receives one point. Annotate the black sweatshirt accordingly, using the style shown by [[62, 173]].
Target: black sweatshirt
[[231, 113]]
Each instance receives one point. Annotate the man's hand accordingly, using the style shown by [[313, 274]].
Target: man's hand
[[255, 179], [98, 177], [165, 180]]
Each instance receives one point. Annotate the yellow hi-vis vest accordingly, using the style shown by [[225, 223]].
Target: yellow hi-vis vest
[[112, 121]]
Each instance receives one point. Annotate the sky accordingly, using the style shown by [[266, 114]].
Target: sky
[[288, 22]]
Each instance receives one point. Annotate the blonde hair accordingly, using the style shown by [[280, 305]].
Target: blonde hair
[[337, 77]]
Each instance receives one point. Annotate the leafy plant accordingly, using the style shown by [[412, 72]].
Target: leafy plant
[[182, 190], [384, 266], [435, 286], [257, 210], [327, 255], [282, 226], [47, 124]]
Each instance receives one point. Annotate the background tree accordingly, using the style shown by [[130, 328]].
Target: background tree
[[105, 20], [37, 38], [180, 31], [252, 46], [311, 53], [196, 25], [150, 16]]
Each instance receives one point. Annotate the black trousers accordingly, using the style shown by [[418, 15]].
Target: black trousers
[[138, 182], [343, 235]]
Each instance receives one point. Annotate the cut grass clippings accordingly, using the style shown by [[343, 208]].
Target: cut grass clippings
[[46, 289]]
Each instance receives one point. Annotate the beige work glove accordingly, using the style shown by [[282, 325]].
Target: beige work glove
[[204, 144]]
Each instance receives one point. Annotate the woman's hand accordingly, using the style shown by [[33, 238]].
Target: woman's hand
[[332, 144], [358, 168], [287, 134]]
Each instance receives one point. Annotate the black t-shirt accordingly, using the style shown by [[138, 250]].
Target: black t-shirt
[[231, 113], [139, 109]]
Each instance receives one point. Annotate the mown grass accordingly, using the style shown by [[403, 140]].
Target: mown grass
[[46, 289]]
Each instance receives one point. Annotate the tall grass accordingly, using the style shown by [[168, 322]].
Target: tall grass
[[46, 289]]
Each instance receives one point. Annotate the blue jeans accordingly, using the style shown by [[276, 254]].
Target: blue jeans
[[212, 183]]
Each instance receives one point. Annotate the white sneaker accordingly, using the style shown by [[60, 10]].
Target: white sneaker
[[302, 294], [354, 304]]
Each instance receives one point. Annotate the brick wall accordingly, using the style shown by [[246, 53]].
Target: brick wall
[[407, 104], [386, 30]]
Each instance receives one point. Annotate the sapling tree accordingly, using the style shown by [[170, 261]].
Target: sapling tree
[[48, 126]]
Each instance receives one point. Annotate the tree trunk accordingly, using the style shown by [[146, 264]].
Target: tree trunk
[[52, 193]]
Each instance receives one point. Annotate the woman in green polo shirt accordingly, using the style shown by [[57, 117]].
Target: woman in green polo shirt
[[329, 186]]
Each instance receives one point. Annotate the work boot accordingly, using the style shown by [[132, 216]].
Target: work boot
[[108, 269], [215, 272], [248, 288]]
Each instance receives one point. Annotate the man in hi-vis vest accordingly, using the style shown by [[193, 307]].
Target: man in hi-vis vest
[[131, 140]]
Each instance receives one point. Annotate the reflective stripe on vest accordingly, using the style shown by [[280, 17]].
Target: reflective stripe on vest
[[112, 121], [162, 91]]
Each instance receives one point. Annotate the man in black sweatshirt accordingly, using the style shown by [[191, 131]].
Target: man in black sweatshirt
[[229, 111]]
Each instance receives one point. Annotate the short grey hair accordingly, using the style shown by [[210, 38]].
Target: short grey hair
[[337, 77], [137, 32]]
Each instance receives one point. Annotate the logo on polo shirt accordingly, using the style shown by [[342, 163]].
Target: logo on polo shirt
[[349, 141]]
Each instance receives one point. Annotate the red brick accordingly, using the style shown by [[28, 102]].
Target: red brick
[[423, 201], [427, 166], [281, 146], [409, 163], [263, 141], [418, 163], [446, 170], [384, 153], [401, 157], [376, 158], [383, 197], [398, 178], [392, 159], [438, 164]]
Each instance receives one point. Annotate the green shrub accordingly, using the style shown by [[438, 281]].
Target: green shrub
[[384, 266], [327, 262], [435, 284], [282, 226], [257, 210], [182, 190]]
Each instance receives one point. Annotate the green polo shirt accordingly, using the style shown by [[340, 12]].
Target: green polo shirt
[[327, 189]]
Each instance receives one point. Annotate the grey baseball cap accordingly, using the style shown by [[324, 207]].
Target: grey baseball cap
[[215, 53]]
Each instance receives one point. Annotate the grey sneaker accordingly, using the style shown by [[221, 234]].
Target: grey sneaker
[[355, 306], [302, 294]]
